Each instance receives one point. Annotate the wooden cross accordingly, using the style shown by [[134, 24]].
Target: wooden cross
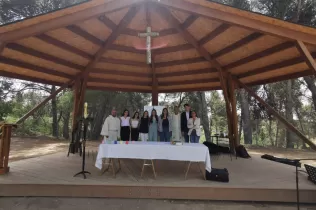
[[148, 36]]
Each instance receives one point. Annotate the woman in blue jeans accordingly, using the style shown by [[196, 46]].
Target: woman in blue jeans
[[165, 126], [194, 124]]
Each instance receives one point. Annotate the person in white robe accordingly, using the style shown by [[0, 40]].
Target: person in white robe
[[112, 127], [176, 125]]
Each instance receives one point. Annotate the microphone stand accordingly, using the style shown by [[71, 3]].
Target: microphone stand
[[297, 161], [85, 128]]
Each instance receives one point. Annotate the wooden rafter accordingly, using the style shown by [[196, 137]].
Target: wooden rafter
[[180, 62], [220, 29], [188, 82], [276, 114], [35, 68], [120, 72], [275, 66], [86, 35], [234, 16], [119, 81], [28, 78], [259, 55], [62, 45], [238, 44], [123, 62], [44, 56], [2, 46], [309, 59], [172, 49], [65, 20], [137, 90], [185, 72], [175, 90]]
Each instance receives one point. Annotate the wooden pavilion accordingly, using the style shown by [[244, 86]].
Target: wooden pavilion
[[201, 46]]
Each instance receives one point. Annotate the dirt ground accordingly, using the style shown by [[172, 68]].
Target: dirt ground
[[133, 204]]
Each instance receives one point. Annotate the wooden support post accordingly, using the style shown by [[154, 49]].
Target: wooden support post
[[276, 114], [5, 140], [76, 105], [154, 94], [307, 55], [2, 46], [233, 102]]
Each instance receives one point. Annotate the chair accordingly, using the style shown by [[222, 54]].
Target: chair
[[311, 171]]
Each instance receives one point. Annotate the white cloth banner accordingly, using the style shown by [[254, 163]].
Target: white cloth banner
[[155, 151]]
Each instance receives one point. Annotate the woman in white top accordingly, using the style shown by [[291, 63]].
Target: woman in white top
[[125, 126], [194, 128], [135, 127]]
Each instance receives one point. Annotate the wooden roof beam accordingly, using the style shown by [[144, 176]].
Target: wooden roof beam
[[28, 78], [2, 46], [238, 44], [244, 19], [123, 62], [180, 62], [309, 59], [86, 35], [185, 72], [21, 64], [274, 66], [294, 75], [137, 90], [44, 56], [177, 90], [119, 81], [259, 55], [276, 114], [31, 28], [171, 49], [188, 82], [120, 72], [62, 45], [213, 34]]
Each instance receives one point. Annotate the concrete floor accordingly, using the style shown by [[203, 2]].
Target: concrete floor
[[36, 203]]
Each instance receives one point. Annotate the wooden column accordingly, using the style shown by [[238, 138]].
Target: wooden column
[[234, 117], [276, 114], [5, 140], [76, 106], [154, 94]]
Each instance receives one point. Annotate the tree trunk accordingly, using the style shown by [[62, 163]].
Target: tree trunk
[[247, 128], [270, 132], [204, 116], [54, 113], [312, 87], [66, 125], [290, 142]]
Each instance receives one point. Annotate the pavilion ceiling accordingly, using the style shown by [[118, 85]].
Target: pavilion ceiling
[[99, 39]]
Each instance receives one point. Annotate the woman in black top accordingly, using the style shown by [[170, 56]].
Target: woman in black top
[[144, 127]]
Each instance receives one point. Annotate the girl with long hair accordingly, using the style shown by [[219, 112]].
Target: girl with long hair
[[135, 126], [153, 126], [144, 126], [194, 124], [164, 126], [125, 126]]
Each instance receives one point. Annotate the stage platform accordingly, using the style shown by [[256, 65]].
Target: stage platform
[[250, 180]]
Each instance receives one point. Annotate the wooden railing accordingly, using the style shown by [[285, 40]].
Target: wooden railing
[[5, 140]]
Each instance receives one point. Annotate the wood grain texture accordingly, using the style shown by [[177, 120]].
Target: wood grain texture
[[310, 61]]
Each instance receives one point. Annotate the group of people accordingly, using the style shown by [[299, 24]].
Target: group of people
[[178, 127]]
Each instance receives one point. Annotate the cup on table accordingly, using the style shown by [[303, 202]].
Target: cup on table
[[115, 142], [126, 142]]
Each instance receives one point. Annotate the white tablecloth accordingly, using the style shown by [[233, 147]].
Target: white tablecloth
[[155, 151]]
